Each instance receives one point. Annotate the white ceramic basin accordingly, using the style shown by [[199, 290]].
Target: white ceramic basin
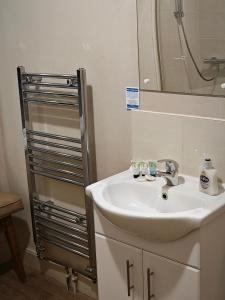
[[138, 207]]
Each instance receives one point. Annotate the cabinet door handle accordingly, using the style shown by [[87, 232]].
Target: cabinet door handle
[[149, 274], [129, 287]]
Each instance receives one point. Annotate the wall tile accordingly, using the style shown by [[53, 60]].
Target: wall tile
[[183, 104], [212, 6], [203, 136], [156, 136], [183, 138]]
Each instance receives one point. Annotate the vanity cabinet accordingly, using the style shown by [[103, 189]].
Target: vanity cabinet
[[127, 272], [119, 267], [169, 280]]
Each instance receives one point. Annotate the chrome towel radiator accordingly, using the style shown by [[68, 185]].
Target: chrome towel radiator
[[59, 158]]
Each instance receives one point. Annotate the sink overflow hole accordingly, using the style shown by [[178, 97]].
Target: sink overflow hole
[[164, 196]]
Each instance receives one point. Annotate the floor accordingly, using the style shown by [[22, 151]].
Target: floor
[[37, 287]]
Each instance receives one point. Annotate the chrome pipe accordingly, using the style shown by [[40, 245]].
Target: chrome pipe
[[54, 145], [55, 161], [62, 171], [73, 244], [179, 12], [61, 232], [76, 220], [157, 39], [49, 93], [53, 136], [52, 152], [50, 241], [54, 261], [60, 224], [59, 208], [50, 75], [50, 102], [49, 175]]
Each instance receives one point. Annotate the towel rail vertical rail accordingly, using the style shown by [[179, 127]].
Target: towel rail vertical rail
[[87, 154], [30, 176]]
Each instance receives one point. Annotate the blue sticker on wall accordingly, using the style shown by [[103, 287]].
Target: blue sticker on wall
[[132, 98]]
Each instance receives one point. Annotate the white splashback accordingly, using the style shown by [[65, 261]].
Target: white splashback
[[183, 138]]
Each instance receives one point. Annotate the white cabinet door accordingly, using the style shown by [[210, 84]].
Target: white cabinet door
[[119, 270], [169, 280]]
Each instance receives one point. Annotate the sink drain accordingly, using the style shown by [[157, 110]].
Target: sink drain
[[164, 196]]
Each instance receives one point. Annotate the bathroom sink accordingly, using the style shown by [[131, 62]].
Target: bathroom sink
[[140, 207]]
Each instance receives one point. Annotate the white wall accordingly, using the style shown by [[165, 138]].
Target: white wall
[[59, 37], [3, 172]]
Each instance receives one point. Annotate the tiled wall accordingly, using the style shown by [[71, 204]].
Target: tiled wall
[[210, 107], [183, 138]]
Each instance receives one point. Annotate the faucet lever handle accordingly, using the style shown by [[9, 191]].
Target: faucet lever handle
[[171, 165]]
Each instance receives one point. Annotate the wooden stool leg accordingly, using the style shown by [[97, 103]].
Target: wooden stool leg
[[11, 237]]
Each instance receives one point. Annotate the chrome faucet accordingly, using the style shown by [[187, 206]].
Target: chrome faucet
[[170, 173]]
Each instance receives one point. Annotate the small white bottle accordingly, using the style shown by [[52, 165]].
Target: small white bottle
[[208, 178]]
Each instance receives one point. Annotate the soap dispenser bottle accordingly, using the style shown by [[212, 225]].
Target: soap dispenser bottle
[[208, 178]]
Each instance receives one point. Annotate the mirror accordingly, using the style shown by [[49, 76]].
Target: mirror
[[182, 46]]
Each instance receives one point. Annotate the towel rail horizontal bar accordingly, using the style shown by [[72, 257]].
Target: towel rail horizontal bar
[[53, 85], [53, 136], [54, 153], [76, 237], [49, 175], [50, 102], [51, 75], [59, 208], [64, 247], [55, 161], [55, 170], [76, 220], [63, 240], [81, 231], [50, 93], [54, 145]]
